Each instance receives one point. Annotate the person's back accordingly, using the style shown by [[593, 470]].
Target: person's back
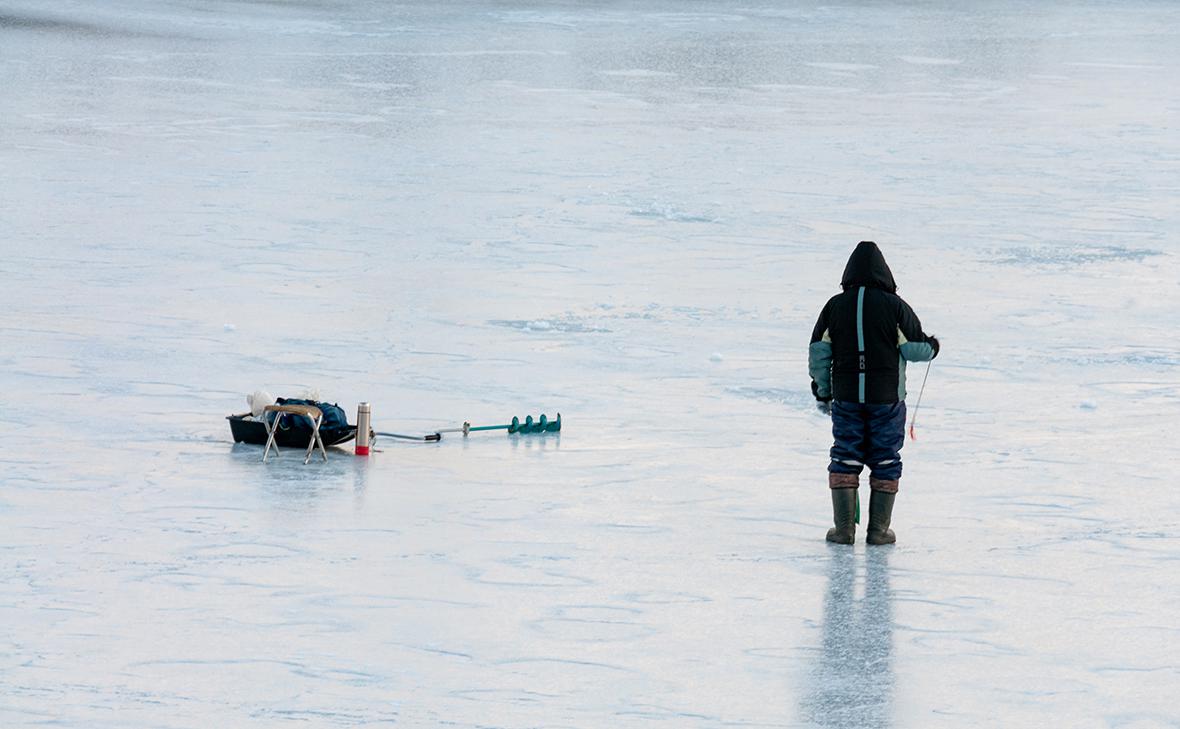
[[859, 347]]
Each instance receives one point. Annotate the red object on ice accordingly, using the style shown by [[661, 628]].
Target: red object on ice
[[912, 436], [362, 450]]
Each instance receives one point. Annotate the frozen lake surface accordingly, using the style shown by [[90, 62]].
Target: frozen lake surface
[[630, 214]]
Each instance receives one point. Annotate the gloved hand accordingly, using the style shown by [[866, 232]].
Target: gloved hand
[[933, 342], [823, 404]]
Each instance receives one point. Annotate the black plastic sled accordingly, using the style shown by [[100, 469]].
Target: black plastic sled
[[246, 429]]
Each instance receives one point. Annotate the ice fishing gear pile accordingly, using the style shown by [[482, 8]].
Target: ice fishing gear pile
[[309, 423]]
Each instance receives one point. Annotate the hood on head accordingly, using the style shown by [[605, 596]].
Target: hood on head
[[867, 267]]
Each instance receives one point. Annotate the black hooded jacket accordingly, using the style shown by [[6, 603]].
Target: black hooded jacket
[[866, 329]]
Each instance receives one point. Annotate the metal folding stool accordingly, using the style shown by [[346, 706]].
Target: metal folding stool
[[312, 413]]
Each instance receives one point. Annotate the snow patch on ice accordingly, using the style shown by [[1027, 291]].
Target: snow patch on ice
[[806, 88], [779, 395], [1070, 256], [1133, 358], [567, 326], [930, 61], [846, 67], [638, 73], [671, 213], [1116, 65]]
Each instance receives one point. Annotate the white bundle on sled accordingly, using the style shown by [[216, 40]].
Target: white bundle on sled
[[258, 401]]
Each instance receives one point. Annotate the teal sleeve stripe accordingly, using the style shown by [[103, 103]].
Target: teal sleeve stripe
[[917, 352], [819, 363], [860, 338]]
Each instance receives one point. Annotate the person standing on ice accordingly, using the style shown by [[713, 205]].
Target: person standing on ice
[[857, 358]]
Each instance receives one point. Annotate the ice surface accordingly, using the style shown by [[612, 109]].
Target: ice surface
[[629, 213]]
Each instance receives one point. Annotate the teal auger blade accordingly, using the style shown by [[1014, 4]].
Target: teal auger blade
[[528, 426]]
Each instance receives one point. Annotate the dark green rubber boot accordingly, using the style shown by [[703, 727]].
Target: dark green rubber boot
[[880, 513], [844, 514]]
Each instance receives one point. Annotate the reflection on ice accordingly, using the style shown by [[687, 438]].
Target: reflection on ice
[[851, 678]]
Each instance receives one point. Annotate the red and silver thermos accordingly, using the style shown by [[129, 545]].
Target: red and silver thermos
[[364, 413]]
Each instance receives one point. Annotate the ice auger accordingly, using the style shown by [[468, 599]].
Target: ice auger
[[366, 436], [525, 427]]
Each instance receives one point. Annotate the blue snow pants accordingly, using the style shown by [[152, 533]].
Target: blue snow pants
[[867, 435]]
